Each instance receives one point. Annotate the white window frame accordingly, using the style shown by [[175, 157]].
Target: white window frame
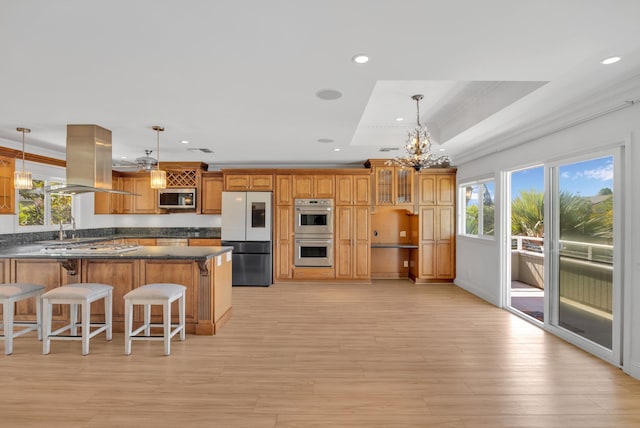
[[462, 203], [48, 174]]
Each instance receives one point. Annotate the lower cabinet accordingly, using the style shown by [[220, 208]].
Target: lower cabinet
[[204, 242], [437, 247], [352, 242]]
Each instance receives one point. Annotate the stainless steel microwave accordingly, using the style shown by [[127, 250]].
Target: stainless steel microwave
[[177, 198]]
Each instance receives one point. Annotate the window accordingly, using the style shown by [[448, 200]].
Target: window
[[39, 208], [478, 202]]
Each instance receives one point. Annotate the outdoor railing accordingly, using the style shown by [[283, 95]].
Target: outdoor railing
[[586, 269]]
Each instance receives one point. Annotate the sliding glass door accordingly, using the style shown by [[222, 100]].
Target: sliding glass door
[[585, 269]]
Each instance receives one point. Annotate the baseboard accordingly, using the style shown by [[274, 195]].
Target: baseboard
[[465, 285], [632, 370]]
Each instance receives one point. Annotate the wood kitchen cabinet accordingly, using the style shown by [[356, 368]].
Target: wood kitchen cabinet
[[436, 189], [146, 202], [394, 185], [352, 242], [109, 203], [50, 273], [313, 186], [435, 259], [7, 192], [284, 243], [353, 189], [251, 182], [283, 190], [210, 198]]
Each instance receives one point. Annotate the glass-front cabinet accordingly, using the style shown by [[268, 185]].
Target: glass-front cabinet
[[394, 185]]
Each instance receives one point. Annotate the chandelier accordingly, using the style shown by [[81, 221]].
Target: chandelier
[[418, 147], [158, 176], [22, 179]]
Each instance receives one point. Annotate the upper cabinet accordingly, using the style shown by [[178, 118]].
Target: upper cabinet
[[393, 185], [243, 182], [211, 193], [313, 186], [353, 189], [147, 200], [7, 192], [437, 187], [109, 203], [283, 189]]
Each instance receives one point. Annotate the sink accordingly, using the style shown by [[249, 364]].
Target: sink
[[68, 241]]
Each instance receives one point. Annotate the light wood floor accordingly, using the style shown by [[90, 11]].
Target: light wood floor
[[391, 354]]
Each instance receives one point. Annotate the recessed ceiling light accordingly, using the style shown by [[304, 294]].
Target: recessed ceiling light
[[611, 60], [360, 59], [123, 157], [399, 119], [442, 150], [328, 94], [184, 142], [336, 149], [325, 140]]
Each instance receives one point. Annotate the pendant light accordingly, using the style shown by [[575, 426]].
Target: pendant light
[[158, 176], [419, 154], [22, 179]]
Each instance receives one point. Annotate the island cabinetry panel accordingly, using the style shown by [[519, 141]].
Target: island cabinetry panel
[[313, 186], [184, 272], [7, 192], [353, 190], [252, 182], [210, 197], [51, 274], [352, 242], [122, 274]]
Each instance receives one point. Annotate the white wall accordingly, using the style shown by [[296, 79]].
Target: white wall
[[475, 256]]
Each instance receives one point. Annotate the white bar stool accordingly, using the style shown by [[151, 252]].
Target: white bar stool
[[77, 294], [154, 294], [9, 295]]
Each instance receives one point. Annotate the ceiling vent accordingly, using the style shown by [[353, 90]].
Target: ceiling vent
[[389, 149], [202, 150]]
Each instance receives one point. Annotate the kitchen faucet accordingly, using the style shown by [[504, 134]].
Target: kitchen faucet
[[73, 226]]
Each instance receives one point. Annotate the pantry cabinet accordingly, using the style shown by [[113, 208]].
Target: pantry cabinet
[[352, 242]]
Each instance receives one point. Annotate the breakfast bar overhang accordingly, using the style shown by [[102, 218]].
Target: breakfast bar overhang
[[205, 271]]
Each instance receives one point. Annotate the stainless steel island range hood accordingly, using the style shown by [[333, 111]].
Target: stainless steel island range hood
[[88, 161]]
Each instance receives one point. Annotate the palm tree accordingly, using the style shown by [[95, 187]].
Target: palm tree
[[527, 214]]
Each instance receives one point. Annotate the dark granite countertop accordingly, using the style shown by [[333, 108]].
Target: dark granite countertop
[[146, 252]]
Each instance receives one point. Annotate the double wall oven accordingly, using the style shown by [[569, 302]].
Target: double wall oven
[[313, 232]]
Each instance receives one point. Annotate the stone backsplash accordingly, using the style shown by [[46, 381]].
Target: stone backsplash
[[13, 239]]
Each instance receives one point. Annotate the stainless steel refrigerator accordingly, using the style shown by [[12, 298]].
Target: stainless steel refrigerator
[[246, 226]]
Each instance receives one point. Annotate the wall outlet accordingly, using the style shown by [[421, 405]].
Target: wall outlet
[[403, 233], [406, 263]]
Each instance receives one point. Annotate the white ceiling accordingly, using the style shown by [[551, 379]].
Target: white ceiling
[[240, 77]]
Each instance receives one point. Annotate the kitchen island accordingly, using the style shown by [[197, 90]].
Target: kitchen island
[[205, 271]]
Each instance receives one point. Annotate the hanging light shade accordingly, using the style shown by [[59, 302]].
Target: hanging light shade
[[418, 146], [22, 179], [158, 176]]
